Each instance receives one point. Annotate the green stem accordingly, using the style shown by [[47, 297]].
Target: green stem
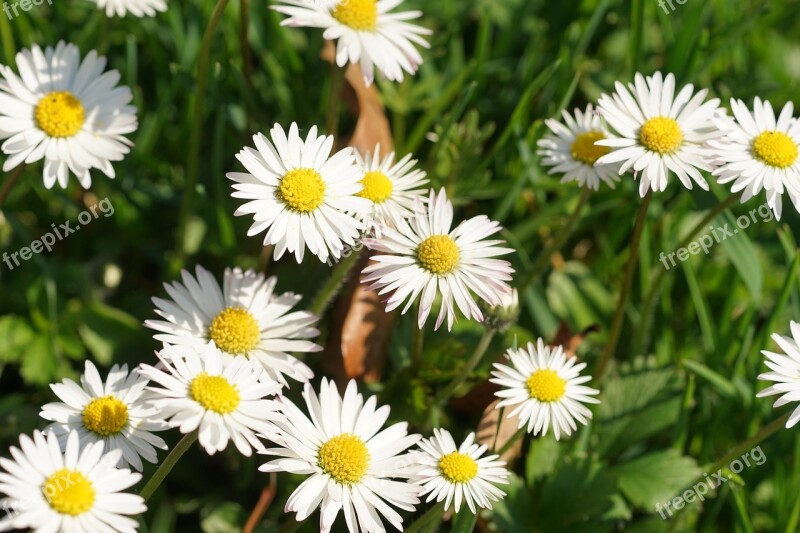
[[650, 298], [10, 181], [467, 369], [193, 163], [750, 443], [247, 63], [7, 36], [331, 289], [431, 517], [497, 427], [167, 465], [510, 442], [417, 339], [627, 282], [335, 100], [556, 243]]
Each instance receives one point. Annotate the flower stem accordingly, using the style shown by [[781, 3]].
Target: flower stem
[[650, 298], [431, 517], [510, 442], [193, 163], [247, 59], [167, 465], [331, 289], [10, 181], [556, 243], [467, 369], [627, 282], [8, 40], [750, 443], [264, 501], [417, 340], [335, 100]]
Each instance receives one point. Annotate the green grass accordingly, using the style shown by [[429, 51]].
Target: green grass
[[681, 392]]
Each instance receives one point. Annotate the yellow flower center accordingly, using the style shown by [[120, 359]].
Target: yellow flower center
[[302, 190], [69, 492], [584, 149], [661, 134], [358, 14], [345, 458], [214, 393], [438, 254], [458, 467], [776, 149], [105, 416], [546, 386], [59, 114], [377, 187], [235, 331]]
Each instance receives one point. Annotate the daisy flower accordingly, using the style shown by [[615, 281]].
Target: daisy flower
[[300, 194], [391, 187], [137, 8], [760, 152], [350, 461], [546, 388], [455, 473], [77, 490], [658, 132], [785, 372], [366, 31], [112, 412], [223, 398], [67, 112], [243, 317], [571, 150], [426, 258]]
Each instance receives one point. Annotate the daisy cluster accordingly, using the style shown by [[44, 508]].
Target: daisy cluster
[[230, 350], [656, 130]]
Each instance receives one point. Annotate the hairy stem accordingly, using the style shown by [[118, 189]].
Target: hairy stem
[[167, 465], [627, 282]]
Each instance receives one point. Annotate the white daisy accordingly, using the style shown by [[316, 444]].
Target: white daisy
[[112, 412], [759, 152], [299, 194], [224, 398], [785, 372], [391, 187], [425, 258], [452, 473], [546, 387], [658, 132], [244, 317], [571, 150], [367, 33], [349, 460], [138, 8], [78, 490], [66, 111]]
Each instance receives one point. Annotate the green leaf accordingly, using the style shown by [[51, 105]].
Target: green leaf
[[636, 405], [40, 364], [17, 335], [226, 517], [543, 458], [656, 478], [744, 256]]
